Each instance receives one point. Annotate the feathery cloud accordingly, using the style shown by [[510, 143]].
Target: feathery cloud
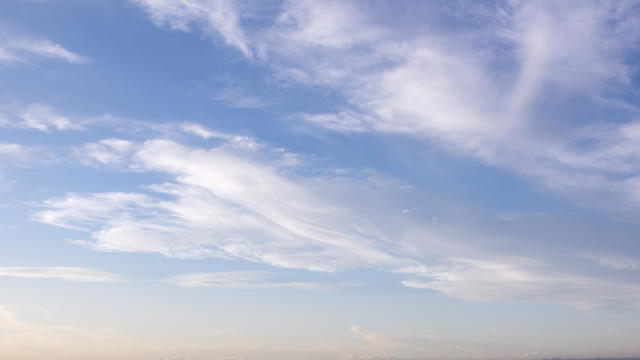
[[216, 17], [37, 116], [68, 273], [239, 279], [221, 202], [443, 86], [16, 49]]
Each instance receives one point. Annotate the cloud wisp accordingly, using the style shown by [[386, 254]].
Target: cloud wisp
[[240, 280], [229, 201], [238, 198], [67, 273], [16, 49], [498, 93], [218, 18], [523, 279], [37, 116]]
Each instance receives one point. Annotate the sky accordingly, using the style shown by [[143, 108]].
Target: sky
[[319, 180]]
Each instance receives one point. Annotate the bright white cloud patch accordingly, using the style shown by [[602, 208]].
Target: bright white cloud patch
[[223, 202], [68, 273]]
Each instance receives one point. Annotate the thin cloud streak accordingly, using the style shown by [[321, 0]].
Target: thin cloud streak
[[16, 49], [240, 280], [67, 273]]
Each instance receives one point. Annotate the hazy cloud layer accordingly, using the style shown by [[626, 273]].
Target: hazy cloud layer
[[239, 198]]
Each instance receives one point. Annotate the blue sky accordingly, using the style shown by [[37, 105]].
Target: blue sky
[[214, 179]]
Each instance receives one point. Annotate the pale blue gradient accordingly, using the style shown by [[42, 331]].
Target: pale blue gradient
[[317, 179]]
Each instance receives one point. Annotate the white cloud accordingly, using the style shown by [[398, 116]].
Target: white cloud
[[24, 155], [18, 155], [42, 117], [37, 117], [238, 279], [333, 24], [226, 202], [68, 273], [237, 141], [522, 279], [619, 263], [7, 56], [29, 339], [107, 151], [246, 202], [342, 121], [13, 150], [48, 49], [493, 103], [239, 98], [15, 49], [499, 94], [216, 17]]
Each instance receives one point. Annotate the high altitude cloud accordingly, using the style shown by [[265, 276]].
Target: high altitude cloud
[[496, 86], [37, 117], [522, 279], [238, 198], [225, 201], [445, 92], [68, 273], [238, 279], [215, 17], [496, 94], [17, 49]]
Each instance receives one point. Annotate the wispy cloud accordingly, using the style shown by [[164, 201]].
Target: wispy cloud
[[21, 156], [446, 92], [410, 346], [37, 116], [523, 279], [224, 201], [68, 273], [29, 338], [238, 198], [239, 98], [498, 94], [17, 49], [239, 279], [13, 150], [218, 17], [18, 155], [615, 262]]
